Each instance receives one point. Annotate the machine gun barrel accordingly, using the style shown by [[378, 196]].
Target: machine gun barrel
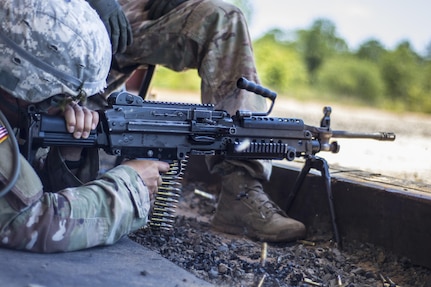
[[381, 136]]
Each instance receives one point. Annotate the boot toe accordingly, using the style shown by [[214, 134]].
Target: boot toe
[[245, 209], [280, 229]]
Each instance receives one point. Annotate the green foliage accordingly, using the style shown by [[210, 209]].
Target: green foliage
[[316, 63], [184, 81], [419, 92], [371, 50], [352, 77], [399, 69], [279, 65], [428, 52], [318, 44], [426, 76]]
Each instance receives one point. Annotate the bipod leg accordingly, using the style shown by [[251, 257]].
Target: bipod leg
[[298, 183], [321, 165]]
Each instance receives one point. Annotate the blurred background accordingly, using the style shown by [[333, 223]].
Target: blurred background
[[359, 52], [369, 60]]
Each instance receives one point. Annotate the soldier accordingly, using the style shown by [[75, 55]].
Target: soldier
[[212, 37], [54, 54]]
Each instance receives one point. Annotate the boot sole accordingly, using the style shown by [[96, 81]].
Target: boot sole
[[255, 234]]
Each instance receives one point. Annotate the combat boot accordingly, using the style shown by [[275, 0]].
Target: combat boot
[[244, 208]]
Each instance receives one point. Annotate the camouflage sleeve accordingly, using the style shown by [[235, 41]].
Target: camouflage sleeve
[[97, 213]]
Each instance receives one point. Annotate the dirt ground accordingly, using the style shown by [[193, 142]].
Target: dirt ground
[[230, 260], [407, 158], [236, 261]]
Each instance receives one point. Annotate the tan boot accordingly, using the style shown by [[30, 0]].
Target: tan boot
[[244, 208]]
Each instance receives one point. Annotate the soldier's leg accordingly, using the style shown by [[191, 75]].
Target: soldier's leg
[[212, 36]]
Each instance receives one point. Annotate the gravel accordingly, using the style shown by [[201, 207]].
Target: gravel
[[228, 260]]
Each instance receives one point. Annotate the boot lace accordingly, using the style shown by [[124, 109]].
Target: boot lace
[[261, 202]]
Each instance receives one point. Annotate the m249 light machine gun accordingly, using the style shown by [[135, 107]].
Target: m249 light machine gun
[[131, 127]]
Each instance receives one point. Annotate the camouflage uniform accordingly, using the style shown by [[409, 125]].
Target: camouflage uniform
[[212, 37], [66, 215], [99, 212], [208, 35]]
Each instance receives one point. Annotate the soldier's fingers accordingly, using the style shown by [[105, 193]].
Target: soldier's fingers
[[88, 122], [79, 121], [69, 116], [163, 166]]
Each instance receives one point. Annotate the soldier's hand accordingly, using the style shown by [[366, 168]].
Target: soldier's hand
[[116, 23], [158, 8], [149, 171], [80, 120]]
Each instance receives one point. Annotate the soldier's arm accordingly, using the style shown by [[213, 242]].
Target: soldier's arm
[[97, 213]]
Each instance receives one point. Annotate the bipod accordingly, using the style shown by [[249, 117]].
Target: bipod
[[321, 165]]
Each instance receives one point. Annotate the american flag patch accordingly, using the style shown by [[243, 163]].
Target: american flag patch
[[3, 133]]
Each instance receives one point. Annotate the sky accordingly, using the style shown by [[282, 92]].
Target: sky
[[389, 21]]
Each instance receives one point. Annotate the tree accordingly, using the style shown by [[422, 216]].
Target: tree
[[279, 65], [400, 71], [319, 43], [428, 52], [371, 50], [350, 77]]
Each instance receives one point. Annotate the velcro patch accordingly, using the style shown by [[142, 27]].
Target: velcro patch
[[3, 133]]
